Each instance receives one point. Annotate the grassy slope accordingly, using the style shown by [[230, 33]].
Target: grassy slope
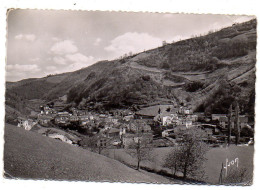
[[215, 157], [218, 155], [30, 155]]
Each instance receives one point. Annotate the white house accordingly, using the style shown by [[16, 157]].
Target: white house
[[165, 133], [183, 121], [27, 124], [60, 137]]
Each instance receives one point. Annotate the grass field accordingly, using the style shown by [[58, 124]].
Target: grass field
[[29, 155], [215, 158]]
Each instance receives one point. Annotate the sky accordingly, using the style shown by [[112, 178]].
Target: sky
[[43, 42]]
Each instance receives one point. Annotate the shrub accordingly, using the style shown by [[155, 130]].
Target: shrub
[[165, 65], [193, 86], [90, 76], [233, 49], [247, 132], [146, 78]]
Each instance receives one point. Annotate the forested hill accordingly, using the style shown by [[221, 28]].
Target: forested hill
[[207, 72]]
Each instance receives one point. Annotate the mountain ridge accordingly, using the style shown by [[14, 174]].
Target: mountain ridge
[[220, 64]]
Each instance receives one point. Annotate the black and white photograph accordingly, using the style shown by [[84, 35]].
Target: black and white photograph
[[133, 97]]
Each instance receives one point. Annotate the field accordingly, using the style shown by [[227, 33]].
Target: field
[[215, 158], [29, 155]]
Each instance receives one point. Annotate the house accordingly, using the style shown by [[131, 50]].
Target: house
[[114, 120], [209, 131], [115, 142], [73, 118], [27, 124], [200, 115], [34, 114], [192, 117], [188, 111], [169, 118], [44, 119], [183, 121], [126, 113], [59, 106], [185, 110], [160, 116], [83, 118], [146, 128], [62, 118], [167, 132], [216, 117], [122, 131], [113, 132], [138, 126], [128, 117], [60, 137], [102, 116], [166, 118], [102, 142], [144, 138], [179, 128], [108, 125], [223, 120], [243, 121]]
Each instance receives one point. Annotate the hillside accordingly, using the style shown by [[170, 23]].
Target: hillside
[[29, 155], [207, 72]]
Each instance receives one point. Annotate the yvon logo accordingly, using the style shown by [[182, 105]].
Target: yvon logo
[[231, 163]]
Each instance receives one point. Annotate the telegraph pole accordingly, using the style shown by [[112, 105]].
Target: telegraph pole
[[229, 124], [237, 127]]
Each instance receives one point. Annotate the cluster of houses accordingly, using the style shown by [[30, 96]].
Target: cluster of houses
[[122, 128], [223, 120], [116, 128], [125, 133], [175, 118]]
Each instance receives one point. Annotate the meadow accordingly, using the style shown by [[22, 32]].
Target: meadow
[[212, 166]]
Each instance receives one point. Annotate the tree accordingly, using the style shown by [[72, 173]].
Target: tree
[[140, 147], [140, 150], [247, 132], [229, 124], [237, 126], [93, 143], [172, 160], [189, 156]]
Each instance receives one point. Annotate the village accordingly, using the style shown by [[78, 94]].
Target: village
[[156, 125]]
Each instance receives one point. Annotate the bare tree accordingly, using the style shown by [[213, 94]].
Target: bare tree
[[189, 156], [141, 150], [229, 124], [93, 144], [172, 160], [237, 126]]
